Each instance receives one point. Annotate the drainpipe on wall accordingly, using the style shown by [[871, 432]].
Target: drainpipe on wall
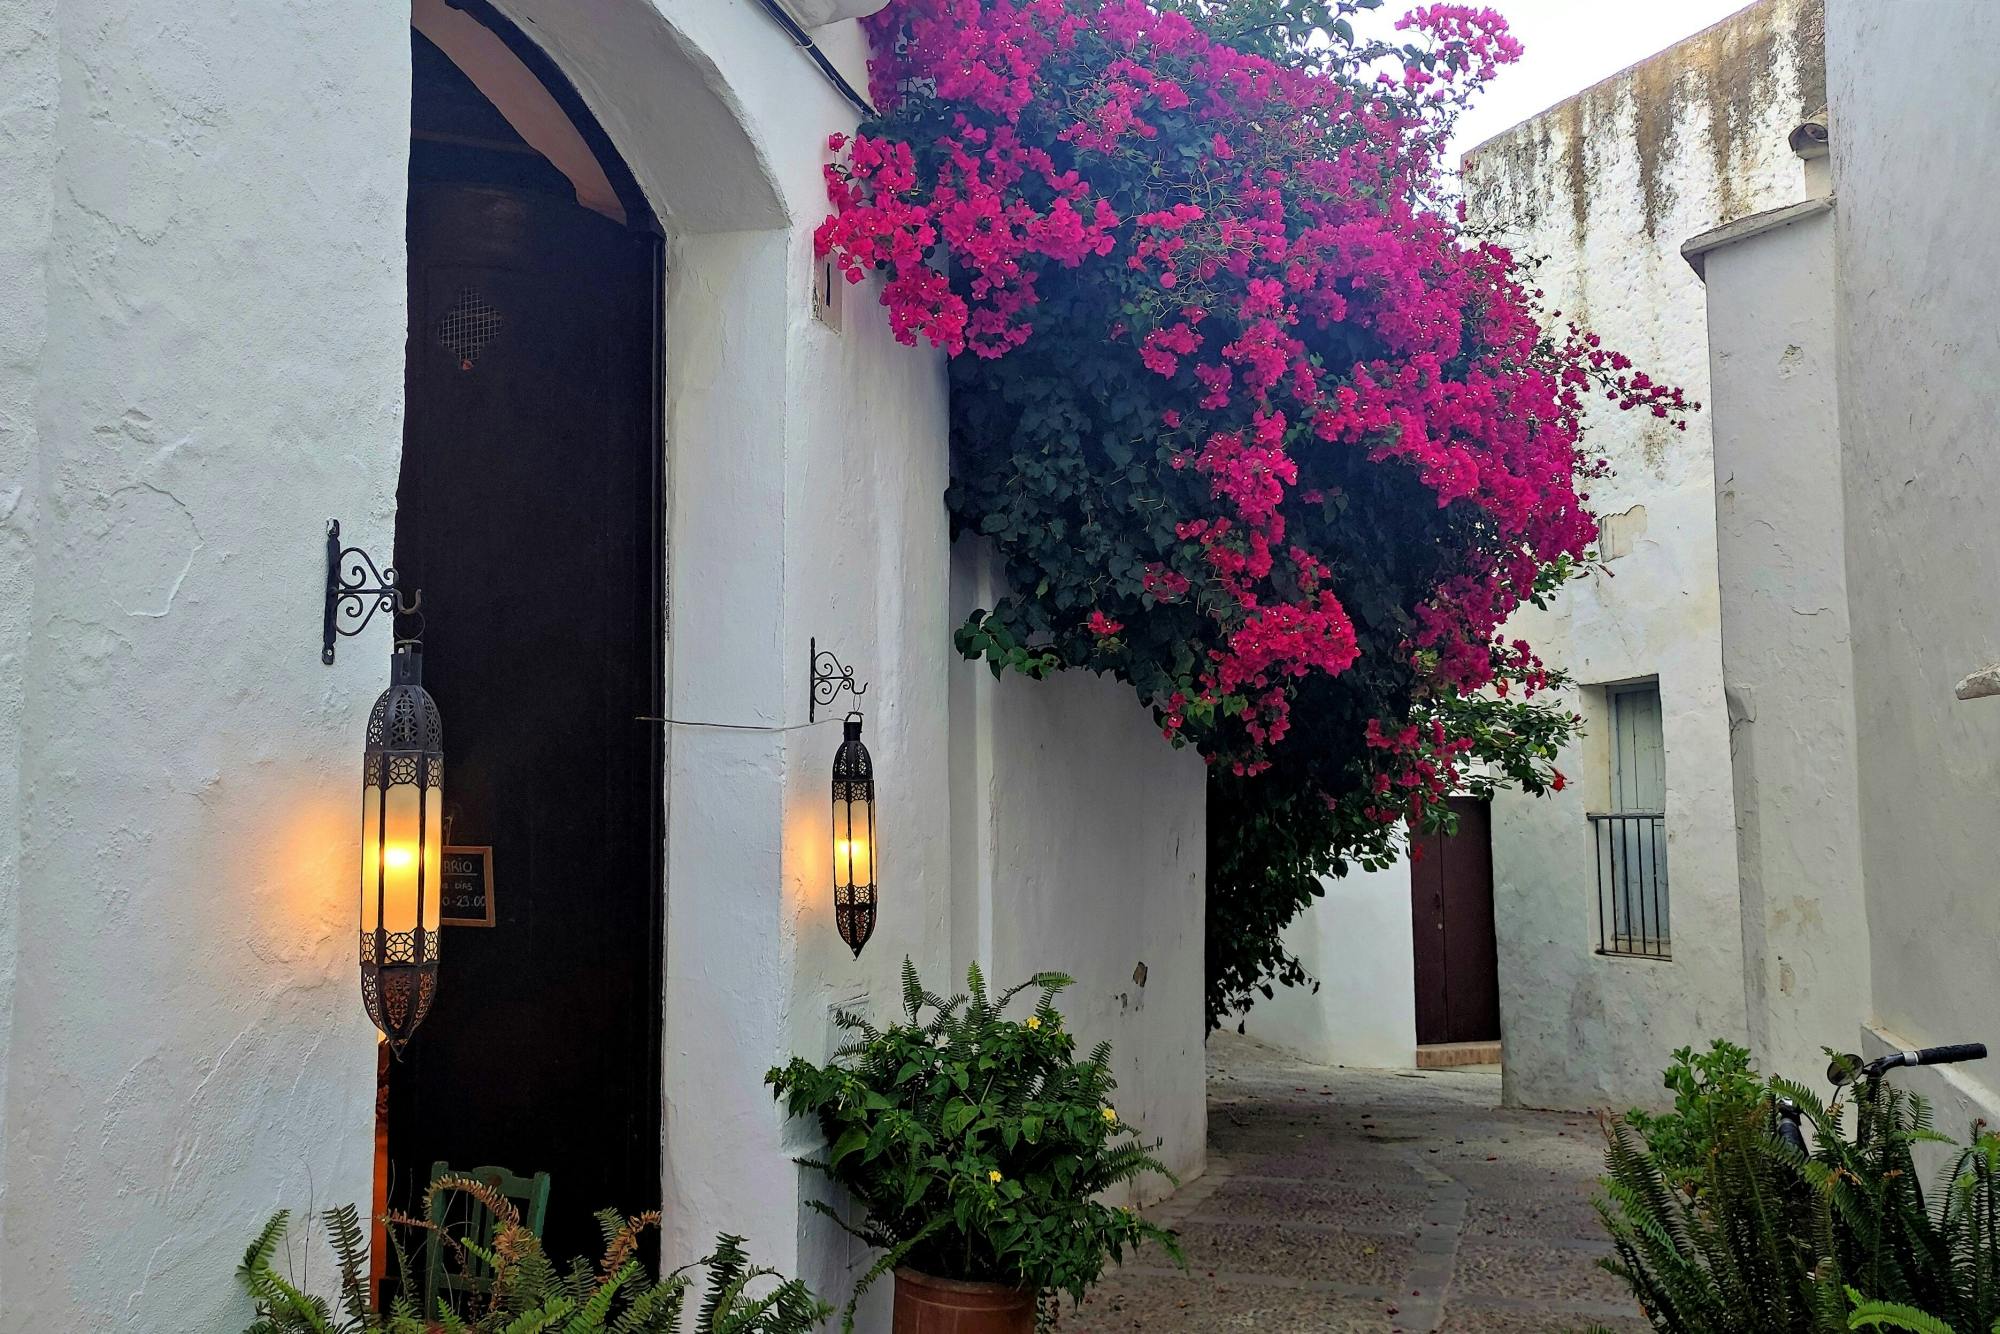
[[817, 14]]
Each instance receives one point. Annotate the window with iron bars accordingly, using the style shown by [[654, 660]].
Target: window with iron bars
[[1630, 839]]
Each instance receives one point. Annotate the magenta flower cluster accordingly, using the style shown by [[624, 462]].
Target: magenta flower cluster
[[1304, 208]]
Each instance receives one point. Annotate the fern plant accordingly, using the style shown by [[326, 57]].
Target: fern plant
[[1894, 1315], [1718, 1226], [977, 1144], [1737, 1250], [527, 1293]]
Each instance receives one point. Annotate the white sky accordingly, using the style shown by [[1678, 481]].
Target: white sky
[[1570, 44]]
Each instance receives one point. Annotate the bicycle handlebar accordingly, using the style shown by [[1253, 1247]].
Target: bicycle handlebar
[[1946, 1055], [1845, 1069]]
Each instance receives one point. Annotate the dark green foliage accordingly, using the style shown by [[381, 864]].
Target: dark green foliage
[[977, 1144], [1719, 1227], [528, 1294], [1716, 1086]]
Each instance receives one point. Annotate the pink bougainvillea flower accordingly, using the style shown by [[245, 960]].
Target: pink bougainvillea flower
[[1263, 245]]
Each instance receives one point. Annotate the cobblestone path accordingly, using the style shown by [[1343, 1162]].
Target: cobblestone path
[[1363, 1200]]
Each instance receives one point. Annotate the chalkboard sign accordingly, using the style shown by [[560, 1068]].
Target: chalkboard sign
[[468, 887]]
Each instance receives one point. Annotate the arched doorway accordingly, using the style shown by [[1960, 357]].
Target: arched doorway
[[529, 512]]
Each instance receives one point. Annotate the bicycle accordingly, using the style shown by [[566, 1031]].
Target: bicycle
[[1850, 1069]]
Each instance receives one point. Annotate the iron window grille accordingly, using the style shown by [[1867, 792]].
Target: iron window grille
[[1631, 849]]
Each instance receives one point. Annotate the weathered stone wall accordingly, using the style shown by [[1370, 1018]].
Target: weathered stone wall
[[1604, 187], [1687, 129]]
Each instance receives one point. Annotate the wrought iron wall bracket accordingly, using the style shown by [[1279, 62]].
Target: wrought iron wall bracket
[[356, 588], [829, 678]]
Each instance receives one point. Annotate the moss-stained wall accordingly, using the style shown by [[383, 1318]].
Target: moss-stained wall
[[1710, 96]]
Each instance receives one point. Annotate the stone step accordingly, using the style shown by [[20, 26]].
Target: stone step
[[1451, 1055]]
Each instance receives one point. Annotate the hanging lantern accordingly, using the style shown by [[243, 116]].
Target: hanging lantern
[[402, 850], [853, 838]]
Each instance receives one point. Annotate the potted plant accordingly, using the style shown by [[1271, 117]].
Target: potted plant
[[978, 1147]]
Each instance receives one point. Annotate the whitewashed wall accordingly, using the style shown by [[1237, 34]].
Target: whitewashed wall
[[1786, 639], [211, 204], [1358, 944], [1915, 118], [27, 149], [205, 221], [1606, 186], [1078, 843]]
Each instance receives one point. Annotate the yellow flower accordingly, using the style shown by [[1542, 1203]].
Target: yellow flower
[[994, 1177], [1034, 1021], [1110, 1114]]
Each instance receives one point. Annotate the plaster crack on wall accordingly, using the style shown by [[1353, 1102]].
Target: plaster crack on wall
[[156, 540]]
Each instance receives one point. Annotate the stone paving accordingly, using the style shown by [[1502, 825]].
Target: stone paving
[[1371, 1201]]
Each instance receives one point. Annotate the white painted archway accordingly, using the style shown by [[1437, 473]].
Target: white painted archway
[[688, 101], [723, 125]]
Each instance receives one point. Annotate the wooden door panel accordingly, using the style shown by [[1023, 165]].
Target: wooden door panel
[[1456, 962], [1472, 978], [1428, 934], [528, 514]]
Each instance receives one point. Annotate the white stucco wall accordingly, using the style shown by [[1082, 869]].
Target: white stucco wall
[[1918, 352], [1357, 944], [209, 204], [1606, 186], [28, 123], [1078, 847], [1787, 664], [217, 368]]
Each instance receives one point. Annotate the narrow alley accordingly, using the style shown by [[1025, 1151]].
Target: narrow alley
[[1370, 1201]]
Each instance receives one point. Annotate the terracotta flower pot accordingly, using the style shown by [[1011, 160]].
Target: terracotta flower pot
[[926, 1305]]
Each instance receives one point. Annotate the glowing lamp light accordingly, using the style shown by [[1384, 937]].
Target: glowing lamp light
[[402, 850], [853, 838]]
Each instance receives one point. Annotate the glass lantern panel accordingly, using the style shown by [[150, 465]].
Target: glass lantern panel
[[390, 851], [433, 858], [371, 842], [853, 844]]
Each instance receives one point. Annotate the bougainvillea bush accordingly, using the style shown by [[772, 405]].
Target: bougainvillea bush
[[1251, 420]]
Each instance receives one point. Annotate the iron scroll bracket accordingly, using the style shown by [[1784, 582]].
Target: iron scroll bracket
[[829, 677], [357, 588]]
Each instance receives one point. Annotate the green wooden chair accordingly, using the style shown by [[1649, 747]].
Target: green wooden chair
[[530, 1195]]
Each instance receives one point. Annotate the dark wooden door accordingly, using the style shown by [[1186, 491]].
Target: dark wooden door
[[1451, 912], [529, 516]]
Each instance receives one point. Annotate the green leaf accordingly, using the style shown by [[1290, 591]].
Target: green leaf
[[850, 1142]]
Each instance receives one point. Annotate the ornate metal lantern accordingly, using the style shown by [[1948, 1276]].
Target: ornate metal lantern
[[853, 838], [402, 850]]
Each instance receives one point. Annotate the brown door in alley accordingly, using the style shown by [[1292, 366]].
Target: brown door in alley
[[529, 514], [1451, 911]]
